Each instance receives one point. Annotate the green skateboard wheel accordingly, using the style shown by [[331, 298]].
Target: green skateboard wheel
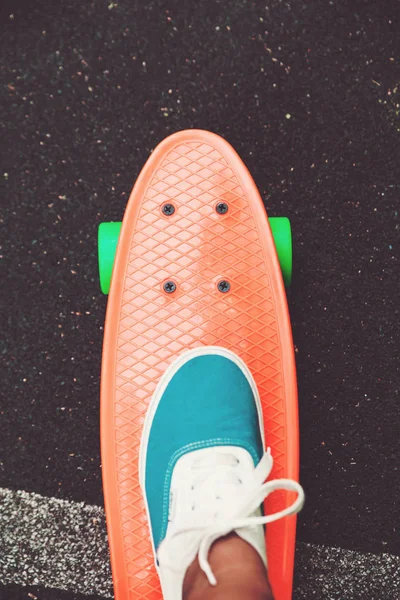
[[282, 234], [108, 235]]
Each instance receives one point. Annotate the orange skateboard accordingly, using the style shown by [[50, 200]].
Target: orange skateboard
[[195, 265]]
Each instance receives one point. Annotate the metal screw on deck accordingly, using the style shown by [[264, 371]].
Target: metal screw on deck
[[168, 209], [224, 286], [169, 287], [222, 208]]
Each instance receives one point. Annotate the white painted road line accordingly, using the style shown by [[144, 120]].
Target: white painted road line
[[53, 543], [327, 573], [63, 545]]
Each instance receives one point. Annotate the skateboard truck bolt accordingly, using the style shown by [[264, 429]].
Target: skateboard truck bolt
[[168, 209], [222, 208], [169, 287], [224, 286]]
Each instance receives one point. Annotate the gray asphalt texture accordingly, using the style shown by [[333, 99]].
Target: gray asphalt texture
[[309, 95]]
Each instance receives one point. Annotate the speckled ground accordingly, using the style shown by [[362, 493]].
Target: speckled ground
[[309, 95], [62, 545]]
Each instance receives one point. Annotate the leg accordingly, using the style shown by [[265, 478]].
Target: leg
[[239, 570]]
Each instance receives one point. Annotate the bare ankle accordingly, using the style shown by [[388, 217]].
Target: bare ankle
[[238, 568]]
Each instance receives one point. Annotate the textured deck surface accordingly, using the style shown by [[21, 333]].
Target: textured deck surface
[[196, 248]]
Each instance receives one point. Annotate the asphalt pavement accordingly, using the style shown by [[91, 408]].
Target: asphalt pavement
[[308, 93]]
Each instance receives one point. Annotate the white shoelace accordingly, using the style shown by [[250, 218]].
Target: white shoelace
[[252, 496]]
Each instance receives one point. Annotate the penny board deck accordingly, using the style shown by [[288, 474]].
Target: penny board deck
[[147, 328]]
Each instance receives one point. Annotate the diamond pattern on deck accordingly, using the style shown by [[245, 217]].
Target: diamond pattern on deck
[[196, 248]]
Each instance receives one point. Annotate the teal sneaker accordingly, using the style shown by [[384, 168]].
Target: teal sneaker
[[203, 463]]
